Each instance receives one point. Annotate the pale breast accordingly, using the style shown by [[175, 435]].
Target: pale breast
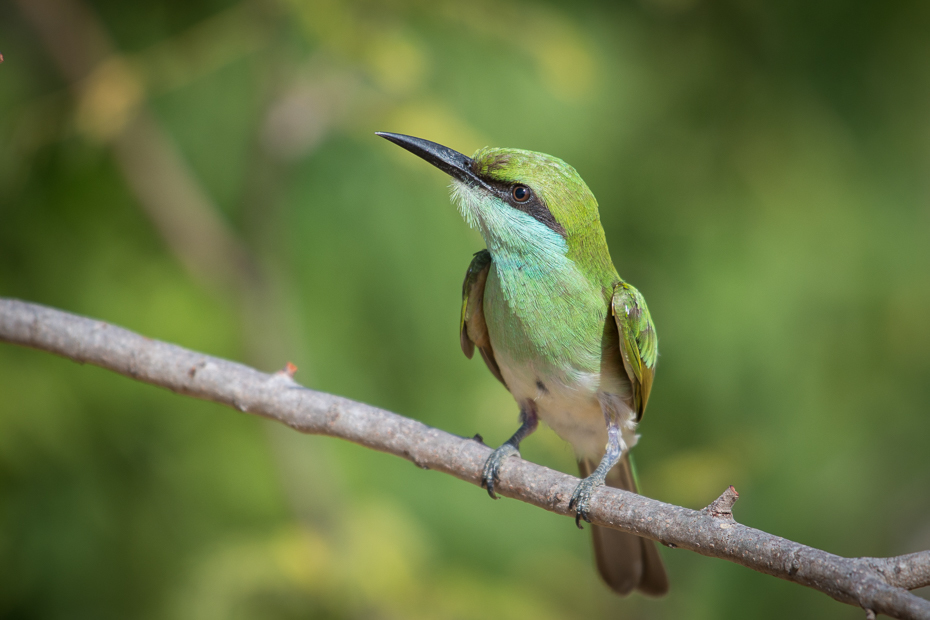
[[570, 403]]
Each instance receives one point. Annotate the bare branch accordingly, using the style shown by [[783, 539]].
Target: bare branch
[[878, 585]]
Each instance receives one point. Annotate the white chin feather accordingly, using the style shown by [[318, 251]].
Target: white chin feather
[[467, 199]]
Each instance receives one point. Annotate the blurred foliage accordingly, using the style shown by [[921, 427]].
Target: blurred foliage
[[763, 174]]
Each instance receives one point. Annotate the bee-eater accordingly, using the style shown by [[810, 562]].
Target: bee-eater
[[572, 342]]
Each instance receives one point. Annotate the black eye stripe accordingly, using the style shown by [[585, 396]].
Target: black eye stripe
[[533, 206], [537, 210]]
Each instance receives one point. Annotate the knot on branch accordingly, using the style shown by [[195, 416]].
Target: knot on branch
[[722, 507], [288, 371]]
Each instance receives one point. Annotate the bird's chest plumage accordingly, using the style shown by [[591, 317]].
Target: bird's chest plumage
[[539, 314], [546, 328]]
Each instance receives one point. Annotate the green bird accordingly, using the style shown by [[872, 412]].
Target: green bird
[[572, 342]]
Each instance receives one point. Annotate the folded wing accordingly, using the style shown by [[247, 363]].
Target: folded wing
[[638, 342], [472, 327]]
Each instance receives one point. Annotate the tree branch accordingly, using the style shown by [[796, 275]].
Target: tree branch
[[878, 585]]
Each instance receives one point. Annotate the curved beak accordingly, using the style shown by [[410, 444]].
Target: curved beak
[[451, 162]]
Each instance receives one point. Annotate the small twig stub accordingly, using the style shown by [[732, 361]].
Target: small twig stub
[[722, 507]]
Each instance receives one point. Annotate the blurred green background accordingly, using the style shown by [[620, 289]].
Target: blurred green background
[[205, 172]]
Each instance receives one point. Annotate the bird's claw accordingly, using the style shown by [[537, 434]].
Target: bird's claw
[[492, 467], [581, 499]]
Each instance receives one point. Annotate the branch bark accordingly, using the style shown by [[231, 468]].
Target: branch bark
[[877, 585]]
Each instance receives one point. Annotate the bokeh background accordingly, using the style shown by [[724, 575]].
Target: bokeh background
[[205, 172]]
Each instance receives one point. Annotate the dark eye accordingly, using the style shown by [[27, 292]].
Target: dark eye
[[521, 193]]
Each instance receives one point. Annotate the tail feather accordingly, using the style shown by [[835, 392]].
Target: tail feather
[[626, 562]]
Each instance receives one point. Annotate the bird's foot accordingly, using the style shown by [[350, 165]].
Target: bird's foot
[[581, 498], [492, 467]]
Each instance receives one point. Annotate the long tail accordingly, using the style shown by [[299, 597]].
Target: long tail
[[626, 561]]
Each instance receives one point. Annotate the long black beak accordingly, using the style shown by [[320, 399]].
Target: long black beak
[[451, 162]]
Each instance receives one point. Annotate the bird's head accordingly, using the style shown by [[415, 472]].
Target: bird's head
[[520, 201]]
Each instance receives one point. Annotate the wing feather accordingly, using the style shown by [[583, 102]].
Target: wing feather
[[473, 330], [638, 342]]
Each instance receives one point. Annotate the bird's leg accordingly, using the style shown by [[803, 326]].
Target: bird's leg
[[511, 447], [581, 498]]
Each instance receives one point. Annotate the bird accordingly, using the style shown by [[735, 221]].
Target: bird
[[553, 321]]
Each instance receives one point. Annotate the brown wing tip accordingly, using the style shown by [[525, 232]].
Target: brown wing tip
[[626, 562], [655, 579], [468, 347]]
